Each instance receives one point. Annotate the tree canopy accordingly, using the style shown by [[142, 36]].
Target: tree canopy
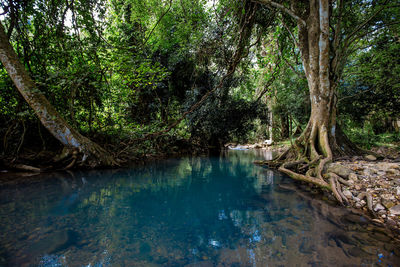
[[138, 76]]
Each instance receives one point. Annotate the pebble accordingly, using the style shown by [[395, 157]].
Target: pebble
[[370, 157], [382, 212], [388, 204], [353, 176], [379, 207], [381, 180]]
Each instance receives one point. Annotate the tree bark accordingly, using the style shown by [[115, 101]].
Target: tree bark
[[321, 134], [92, 153], [321, 140]]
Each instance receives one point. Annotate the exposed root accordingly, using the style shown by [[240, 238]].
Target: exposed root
[[324, 141], [313, 150], [22, 138], [369, 199], [335, 192], [301, 177], [283, 155], [321, 166], [64, 154], [339, 189], [310, 163], [71, 164], [317, 146], [310, 172], [343, 181], [291, 164], [74, 158], [369, 202], [23, 167]]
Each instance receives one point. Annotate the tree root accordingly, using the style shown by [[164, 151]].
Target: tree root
[[343, 181], [313, 175], [367, 195], [301, 177], [332, 180], [74, 158], [8, 132], [23, 167], [22, 138], [310, 163], [339, 189], [306, 159]]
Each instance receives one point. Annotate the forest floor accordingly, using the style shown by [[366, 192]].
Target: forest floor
[[373, 185]]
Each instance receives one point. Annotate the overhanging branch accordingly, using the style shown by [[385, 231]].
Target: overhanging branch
[[364, 23], [282, 8]]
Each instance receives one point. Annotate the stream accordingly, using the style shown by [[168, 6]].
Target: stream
[[190, 211]]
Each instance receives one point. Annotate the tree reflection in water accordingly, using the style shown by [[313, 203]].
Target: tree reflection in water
[[209, 210]]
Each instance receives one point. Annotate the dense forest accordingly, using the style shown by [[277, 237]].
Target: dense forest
[[92, 89], [104, 83]]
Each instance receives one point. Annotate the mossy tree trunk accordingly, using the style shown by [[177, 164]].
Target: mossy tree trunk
[[91, 153], [321, 140]]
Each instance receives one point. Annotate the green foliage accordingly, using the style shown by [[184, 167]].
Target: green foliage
[[365, 137], [371, 88], [291, 96], [216, 124], [120, 69]]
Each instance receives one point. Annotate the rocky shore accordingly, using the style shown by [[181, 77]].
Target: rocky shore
[[372, 185]]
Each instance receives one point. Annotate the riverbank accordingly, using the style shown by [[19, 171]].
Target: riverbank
[[126, 154], [372, 185]]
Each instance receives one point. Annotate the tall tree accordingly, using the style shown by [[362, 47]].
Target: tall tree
[[327, 33], [91, 153]]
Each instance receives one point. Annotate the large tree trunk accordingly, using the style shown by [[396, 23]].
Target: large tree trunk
[[321, 136], [92, 154], [321, 140]]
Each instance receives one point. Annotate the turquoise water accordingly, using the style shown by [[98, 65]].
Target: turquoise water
[[194, 211]]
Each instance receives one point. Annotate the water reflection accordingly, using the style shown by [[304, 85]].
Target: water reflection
[[210, 211]]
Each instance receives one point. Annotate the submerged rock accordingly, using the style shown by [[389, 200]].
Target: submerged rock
[[388, 204], [395, 210], [200, 264], [391, 223]]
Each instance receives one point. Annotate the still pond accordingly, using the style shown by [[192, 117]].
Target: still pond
[[192, 211]]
